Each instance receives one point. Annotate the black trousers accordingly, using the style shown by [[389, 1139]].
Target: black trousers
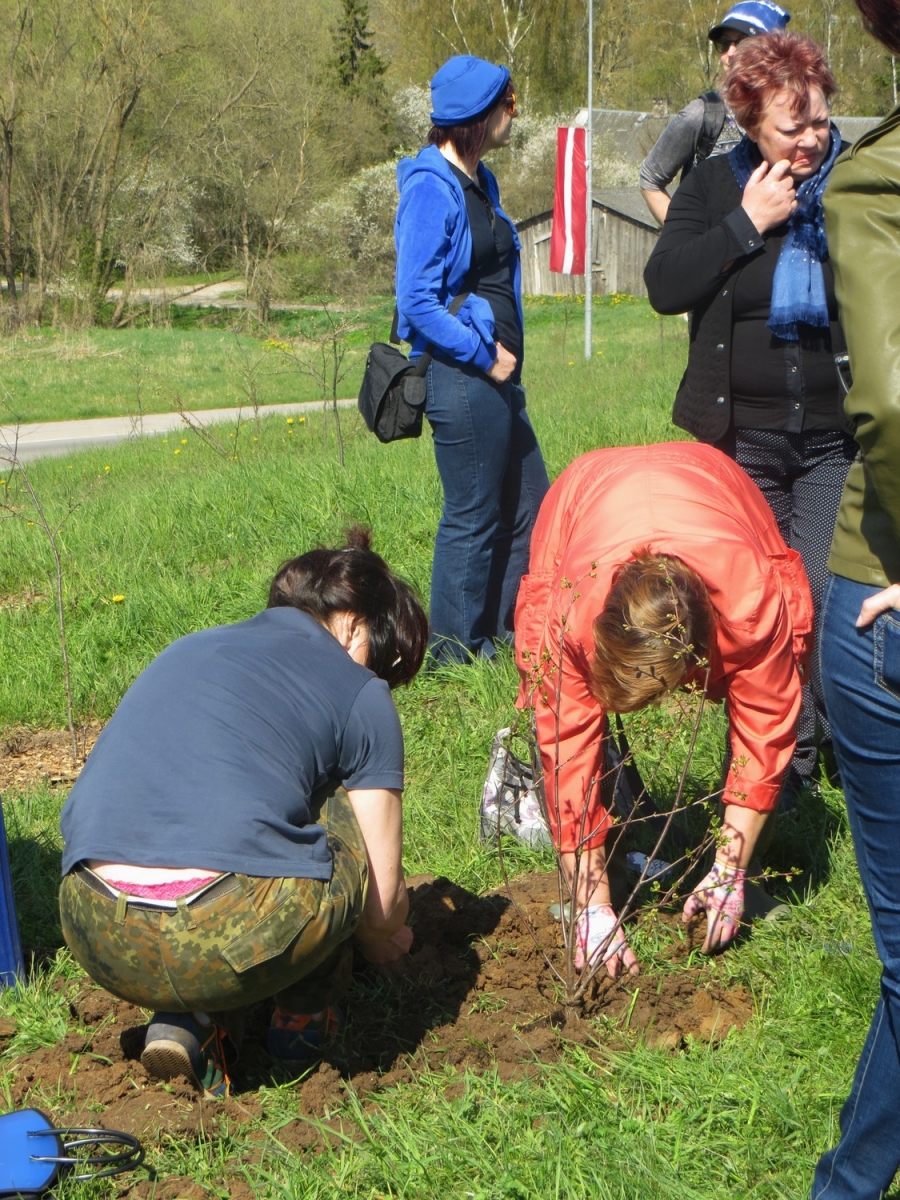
[[802, 476]]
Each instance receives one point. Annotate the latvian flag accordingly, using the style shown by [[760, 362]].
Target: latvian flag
[[567, 236]]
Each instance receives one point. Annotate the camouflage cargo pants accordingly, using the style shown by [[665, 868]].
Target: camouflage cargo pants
[[245, 939]]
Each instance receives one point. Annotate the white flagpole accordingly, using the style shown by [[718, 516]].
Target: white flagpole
[[589, 153]]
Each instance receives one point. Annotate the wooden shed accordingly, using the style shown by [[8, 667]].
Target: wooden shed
[[624, 235], [624, 231]]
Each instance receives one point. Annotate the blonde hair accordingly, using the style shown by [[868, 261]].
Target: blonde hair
[[656, 625]]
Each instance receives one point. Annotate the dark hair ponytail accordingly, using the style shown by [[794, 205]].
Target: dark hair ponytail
[[355, 579]]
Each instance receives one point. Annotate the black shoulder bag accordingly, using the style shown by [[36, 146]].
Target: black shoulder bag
[[392, 395]]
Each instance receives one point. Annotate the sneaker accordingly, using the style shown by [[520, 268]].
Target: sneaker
[[509, 802], [177, 1044], [298, 1038]]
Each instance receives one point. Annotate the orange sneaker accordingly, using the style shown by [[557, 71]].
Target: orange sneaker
[[301, 1037]]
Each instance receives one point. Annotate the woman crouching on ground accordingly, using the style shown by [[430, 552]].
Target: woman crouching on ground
[[213, 857], [646, 563]]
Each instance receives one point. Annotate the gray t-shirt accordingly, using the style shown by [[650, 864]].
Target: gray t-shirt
[[677, 145], [212, 756]]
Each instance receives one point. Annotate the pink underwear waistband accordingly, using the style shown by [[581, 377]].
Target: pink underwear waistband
[[161, 891]]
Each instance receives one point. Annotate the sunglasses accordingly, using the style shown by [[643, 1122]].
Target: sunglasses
[[723, 44], [510, 105]]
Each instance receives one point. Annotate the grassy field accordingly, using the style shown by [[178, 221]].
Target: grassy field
[[205, 358], [168, 535]]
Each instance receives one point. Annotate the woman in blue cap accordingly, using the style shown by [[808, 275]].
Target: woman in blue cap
[[455, 243]]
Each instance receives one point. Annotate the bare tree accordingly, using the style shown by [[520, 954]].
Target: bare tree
[[15, 34], [320, 353]]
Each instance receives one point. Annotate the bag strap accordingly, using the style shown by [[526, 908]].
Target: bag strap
[[428, 354], [714, 114], [130, 1155], [630, 768], [644, 807], [713, 123]]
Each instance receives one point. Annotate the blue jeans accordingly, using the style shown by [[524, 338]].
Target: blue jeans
[[494, 480], [861, 680]]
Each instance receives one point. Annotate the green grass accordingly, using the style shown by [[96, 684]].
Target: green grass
[[206, 359], [188, 538]]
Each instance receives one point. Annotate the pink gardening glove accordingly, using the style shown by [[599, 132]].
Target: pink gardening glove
[[721, 896], [595, 941]]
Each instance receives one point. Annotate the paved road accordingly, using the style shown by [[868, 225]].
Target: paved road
[[50, 438], [228, 295]]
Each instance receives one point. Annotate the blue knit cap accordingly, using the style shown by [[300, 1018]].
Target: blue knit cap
[[464, 88], [752, 17]]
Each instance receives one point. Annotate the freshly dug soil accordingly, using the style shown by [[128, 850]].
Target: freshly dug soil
[[475, 992], [31, 757]]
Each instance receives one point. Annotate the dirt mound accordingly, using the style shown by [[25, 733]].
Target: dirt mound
[[31, 757], [475, 992]]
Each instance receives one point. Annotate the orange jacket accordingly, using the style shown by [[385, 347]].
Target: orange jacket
[[690, 501]]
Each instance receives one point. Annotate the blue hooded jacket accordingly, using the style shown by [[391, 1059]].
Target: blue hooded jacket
[[434, 252]]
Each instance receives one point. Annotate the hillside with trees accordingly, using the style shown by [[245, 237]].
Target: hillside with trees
[[145, 138]]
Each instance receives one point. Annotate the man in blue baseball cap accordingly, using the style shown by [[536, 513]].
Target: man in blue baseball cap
[[705, 127]]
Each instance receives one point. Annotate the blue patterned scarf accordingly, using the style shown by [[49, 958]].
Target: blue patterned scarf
[[798, 290]]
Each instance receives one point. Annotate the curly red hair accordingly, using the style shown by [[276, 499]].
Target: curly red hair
[[775, 62]]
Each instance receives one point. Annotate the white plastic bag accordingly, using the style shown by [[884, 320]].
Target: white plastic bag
[[510, 802]]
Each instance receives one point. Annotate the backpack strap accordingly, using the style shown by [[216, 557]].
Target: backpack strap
[[714, 114], [427, 355], [713, 123]]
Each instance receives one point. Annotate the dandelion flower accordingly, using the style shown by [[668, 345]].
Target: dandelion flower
[[178, 451], [184, 441], [300, 420], [118, 598], [106, 468], [290, 420]]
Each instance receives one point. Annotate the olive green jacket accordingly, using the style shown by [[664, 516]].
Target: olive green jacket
[[862, 216]]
